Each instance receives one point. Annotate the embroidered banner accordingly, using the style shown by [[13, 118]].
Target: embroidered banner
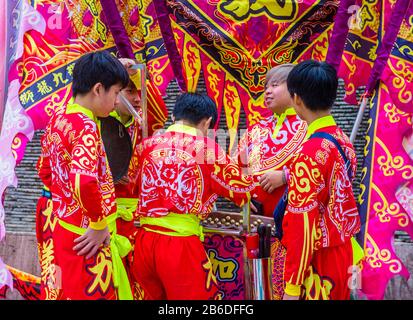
[[19, 18], [368, 24], [235, 43], [387, 168], [26, 284]]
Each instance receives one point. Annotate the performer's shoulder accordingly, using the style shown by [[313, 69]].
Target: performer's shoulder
[[310, 147], [343, 136], [265, 122], [262, 124]]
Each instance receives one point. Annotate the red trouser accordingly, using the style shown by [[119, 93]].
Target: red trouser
[[330, 272], [172, 267], [81, 278]]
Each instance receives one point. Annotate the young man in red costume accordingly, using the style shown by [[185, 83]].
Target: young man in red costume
[[321, 216], [269, 146], [125, 199], [74, 167], [126, 190], [182, 172]]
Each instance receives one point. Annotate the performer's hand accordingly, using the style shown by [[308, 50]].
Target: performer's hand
[[271, 180], [128, 63], [288, 297], [90, 242]]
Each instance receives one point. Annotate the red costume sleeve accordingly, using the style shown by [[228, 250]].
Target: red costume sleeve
[[84, 175], [228, 180], [240, 156]]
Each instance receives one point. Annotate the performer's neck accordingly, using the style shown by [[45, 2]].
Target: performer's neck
[[311, 116], [202, 126], [85, 102], [125, 118]]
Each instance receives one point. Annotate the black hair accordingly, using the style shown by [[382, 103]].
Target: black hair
[[194, 107], [315, 83], [95, 67]]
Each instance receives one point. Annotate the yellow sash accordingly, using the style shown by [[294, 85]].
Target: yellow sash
[[126, 207], [183, 225]]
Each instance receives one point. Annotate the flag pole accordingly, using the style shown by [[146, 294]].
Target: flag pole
[[358, 119], [246, 228]]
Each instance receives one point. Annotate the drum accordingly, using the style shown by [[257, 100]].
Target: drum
[[239, 277], [118, 146]]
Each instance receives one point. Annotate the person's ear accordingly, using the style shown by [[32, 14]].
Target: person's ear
[[298, 101], [203, 126], [208, 123], [97, 89]]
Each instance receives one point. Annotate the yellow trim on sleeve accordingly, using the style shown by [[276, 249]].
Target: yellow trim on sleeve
[[306, 247], [292, 289], [77, 189], [98, 225]]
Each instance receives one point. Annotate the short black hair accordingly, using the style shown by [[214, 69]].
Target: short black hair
[[315, 83], [95, 67], [194, 107]]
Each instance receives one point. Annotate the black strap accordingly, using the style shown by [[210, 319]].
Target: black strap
[[46, 193], [329, 137], [279, 212]]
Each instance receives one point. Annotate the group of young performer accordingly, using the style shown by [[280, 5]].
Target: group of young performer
[[89, 245]]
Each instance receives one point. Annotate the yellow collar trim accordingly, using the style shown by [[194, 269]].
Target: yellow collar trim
[[280, 120], [182, 128], [287, 112], [116, 115], [77, 108], [320, 123]]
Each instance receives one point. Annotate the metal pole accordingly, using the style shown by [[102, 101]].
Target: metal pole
[[131, 109], [144, 104], [246, 218], [358, 120], [246, 228]]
